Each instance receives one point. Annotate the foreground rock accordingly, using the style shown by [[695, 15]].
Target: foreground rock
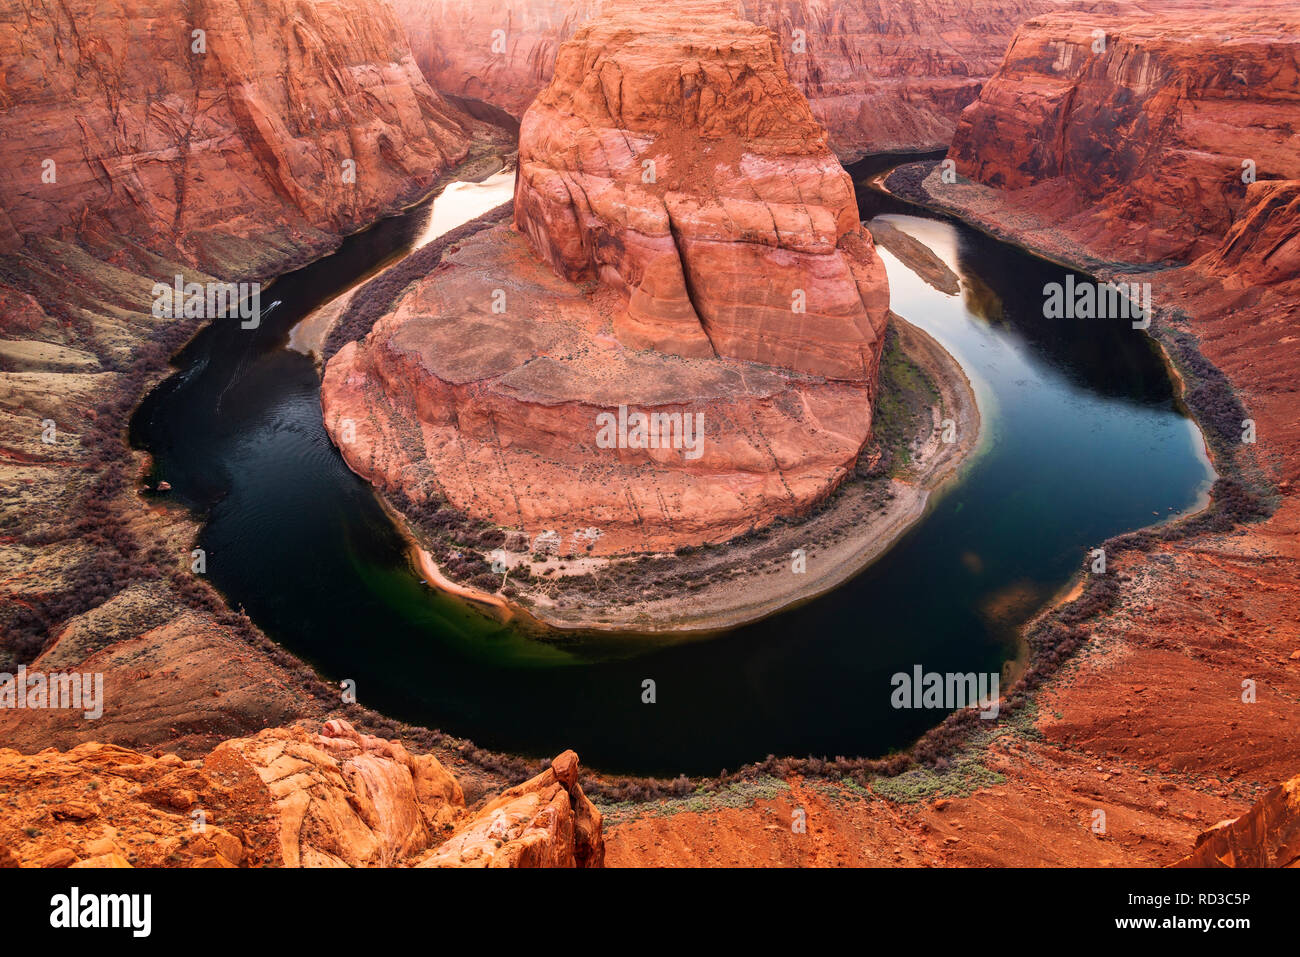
[[285, 798], [879, 76], [692, 255], [544, 822], [1266, 836]]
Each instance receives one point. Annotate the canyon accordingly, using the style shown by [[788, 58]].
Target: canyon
[[667, 295], [879, 75], [666, 190]]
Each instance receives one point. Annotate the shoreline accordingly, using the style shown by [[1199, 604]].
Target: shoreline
[[840, 540], [309, 334], [975, 217]]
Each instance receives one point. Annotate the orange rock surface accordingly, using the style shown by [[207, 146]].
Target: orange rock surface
[[733, 289], [1136, 134], [880, 75], [285, 798], [198, 128], [1266, 836]]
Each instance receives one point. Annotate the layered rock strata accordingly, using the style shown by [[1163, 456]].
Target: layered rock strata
[[1139, 135], [213, 130], [880, 75], [686, 250], [215, 140]]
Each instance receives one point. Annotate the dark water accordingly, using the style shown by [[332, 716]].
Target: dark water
[[1083, 440]]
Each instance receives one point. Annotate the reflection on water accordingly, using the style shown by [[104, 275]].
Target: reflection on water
[[1083, 440], [460, 202]]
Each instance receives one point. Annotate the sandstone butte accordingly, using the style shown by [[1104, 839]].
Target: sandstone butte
[[685, 244], [880, 75], [1147, 726], [285, 797]]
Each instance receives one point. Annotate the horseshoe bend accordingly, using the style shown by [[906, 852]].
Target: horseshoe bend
[[685, 249], [399, 399]]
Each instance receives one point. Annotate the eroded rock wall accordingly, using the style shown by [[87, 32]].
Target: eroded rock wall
[[1136, 133]]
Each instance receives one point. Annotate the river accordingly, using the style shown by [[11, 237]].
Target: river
[[1083, 440]]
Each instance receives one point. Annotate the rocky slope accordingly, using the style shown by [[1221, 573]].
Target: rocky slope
[[880, 75], [695, 254], [126, 158], [284, 798]]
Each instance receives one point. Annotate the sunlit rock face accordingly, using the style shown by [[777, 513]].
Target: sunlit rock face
[[678, 341]]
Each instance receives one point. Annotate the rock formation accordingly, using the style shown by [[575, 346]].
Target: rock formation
[[1268, 835], [701, 264], [1137, 134], [285, 798], [545, 822], [879, 74], [222, 131]]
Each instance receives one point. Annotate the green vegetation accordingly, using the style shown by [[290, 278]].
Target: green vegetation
[[905, 396], [960, 779], [702, 800]]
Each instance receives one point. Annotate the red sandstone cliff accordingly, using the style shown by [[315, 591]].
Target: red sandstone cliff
[[879, 74], [161, 159], [195, 143], [1132, 133], [710, 268]]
